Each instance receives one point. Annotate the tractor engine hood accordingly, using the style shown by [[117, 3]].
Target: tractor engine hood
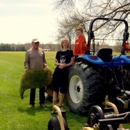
[[121, 59]]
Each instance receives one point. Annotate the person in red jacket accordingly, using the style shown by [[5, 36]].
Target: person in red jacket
[[80, 43]]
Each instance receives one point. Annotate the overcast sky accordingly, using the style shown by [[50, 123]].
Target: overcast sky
[[23, 20]]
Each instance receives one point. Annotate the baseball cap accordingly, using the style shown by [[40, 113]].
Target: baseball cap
[[35, 40]]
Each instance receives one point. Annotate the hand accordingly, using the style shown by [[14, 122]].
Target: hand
[[46, 66], [26, 69], [61, 66]]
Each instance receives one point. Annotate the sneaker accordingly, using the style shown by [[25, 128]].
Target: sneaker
[[62, 110], [60, 107], [54, 112], [42, 105], [31, 105]]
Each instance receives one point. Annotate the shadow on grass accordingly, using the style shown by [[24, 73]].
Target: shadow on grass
[[34, 110], [73, 118]]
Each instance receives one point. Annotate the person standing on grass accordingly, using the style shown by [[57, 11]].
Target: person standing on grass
[[35, 60], [63, 60], [80, 43]]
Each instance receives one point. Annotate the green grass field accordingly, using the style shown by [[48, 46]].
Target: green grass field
[[14, 111]]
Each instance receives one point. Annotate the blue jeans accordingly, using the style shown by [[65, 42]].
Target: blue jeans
[[41, 96]]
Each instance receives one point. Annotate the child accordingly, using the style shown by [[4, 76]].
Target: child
[[80, 43], [63, 60]]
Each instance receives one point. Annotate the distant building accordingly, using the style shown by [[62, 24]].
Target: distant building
[[47, 49]]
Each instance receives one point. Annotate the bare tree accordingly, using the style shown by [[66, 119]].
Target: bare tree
[[73, 16]]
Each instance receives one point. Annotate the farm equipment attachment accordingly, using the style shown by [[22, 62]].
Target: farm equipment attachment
[[58, 122], [107, 118]]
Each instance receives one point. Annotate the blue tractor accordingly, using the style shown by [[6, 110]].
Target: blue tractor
[[95, 75]]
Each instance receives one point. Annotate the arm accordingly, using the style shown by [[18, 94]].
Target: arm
[[71, 62], [26, 62], [56, 62], [84, 45], [44, 60]]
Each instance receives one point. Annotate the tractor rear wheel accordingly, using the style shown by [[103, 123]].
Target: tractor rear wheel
[[85, 88]]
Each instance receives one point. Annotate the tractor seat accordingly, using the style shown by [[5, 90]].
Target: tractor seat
[[105, 54]]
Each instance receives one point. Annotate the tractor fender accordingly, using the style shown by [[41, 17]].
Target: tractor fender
[[121, 59], [92, 59]]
